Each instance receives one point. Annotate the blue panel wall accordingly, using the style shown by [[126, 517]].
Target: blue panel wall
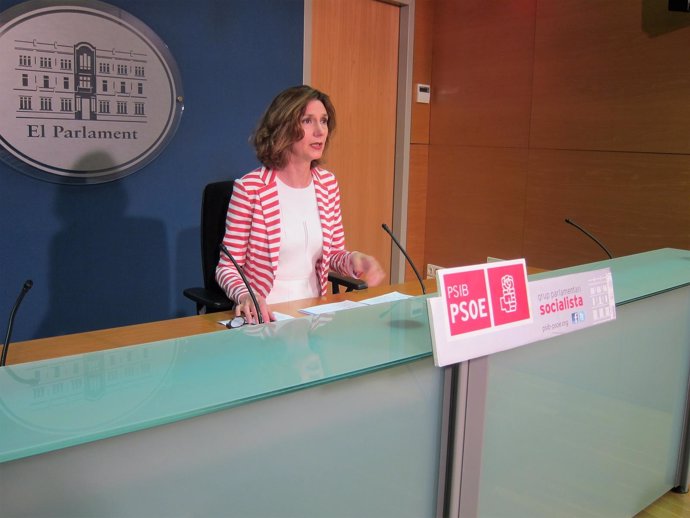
[[122, 252]]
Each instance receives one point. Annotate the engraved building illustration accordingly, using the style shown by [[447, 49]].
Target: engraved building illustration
[[80, 82]]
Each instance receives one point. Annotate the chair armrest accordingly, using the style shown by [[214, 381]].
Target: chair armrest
[[212, 301], [350, 283]]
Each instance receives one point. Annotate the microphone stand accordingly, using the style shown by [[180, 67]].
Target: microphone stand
[[414, 269], [571, 222], [246, 282], [27, 286]]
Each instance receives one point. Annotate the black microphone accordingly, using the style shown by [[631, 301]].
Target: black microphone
[[246, 282], [414, 269], [571, 222], [27, 286]]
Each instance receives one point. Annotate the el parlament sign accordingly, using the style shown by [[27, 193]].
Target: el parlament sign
[[88, 93], [488, 308]]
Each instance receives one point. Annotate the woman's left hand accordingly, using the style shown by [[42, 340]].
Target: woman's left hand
[[367, 268]]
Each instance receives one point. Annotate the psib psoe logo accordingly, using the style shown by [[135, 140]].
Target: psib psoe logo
[[88, 93], [484, 297]]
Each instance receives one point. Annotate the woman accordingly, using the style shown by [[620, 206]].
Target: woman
[[284, 226]]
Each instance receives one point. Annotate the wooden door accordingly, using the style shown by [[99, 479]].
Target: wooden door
[[354, 59]]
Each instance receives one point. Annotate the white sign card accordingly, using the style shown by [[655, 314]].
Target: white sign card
[[559, 305]]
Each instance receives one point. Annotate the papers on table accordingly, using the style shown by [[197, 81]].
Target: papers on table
[[339, 306], [331, 308], [349, 304], [278, 318], [281, 316], [386, 297]]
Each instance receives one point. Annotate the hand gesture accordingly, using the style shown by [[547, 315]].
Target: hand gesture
[[367, 268]]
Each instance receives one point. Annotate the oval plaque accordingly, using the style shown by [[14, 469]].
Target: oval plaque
[[88, 93]]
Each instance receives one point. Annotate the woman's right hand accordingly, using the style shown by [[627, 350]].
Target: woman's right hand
[[245, 308]]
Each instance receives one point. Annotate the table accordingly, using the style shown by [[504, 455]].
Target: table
[[345, 415], [80, 343], [316, 416]]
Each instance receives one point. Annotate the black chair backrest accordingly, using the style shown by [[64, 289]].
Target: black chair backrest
[[214, 210]]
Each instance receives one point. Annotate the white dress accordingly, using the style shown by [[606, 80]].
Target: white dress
[[301, 245]]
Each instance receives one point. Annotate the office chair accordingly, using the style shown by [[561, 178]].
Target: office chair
[[214, 208]]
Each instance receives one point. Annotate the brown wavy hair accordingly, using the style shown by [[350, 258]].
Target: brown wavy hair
[[280, 127]]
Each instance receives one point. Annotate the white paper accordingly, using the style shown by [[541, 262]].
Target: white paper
[[332, 307], [386, 297]]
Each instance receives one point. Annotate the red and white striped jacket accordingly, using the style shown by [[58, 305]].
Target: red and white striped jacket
[[252, 232]]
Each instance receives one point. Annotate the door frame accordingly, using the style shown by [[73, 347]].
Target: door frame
[[401, 172]]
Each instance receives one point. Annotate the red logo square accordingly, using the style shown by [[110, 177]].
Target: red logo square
[[509, 297], [467, 301]]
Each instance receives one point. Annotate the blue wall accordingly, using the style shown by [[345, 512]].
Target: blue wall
[[122, 252]]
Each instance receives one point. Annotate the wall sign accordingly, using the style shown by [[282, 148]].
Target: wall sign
[[88, 93]]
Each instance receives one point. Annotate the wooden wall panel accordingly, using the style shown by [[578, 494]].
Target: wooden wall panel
[[482, 72], [631, 202], [611, 75], [416, 208], [603, 124], [419, 136], [421, 68], [475, 204]]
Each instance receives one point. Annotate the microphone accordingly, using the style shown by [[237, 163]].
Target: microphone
[[571, 222], [27, 286], [246, 283], [414, 269]]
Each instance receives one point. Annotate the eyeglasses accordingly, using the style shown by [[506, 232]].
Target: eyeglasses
[[236, 322]]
